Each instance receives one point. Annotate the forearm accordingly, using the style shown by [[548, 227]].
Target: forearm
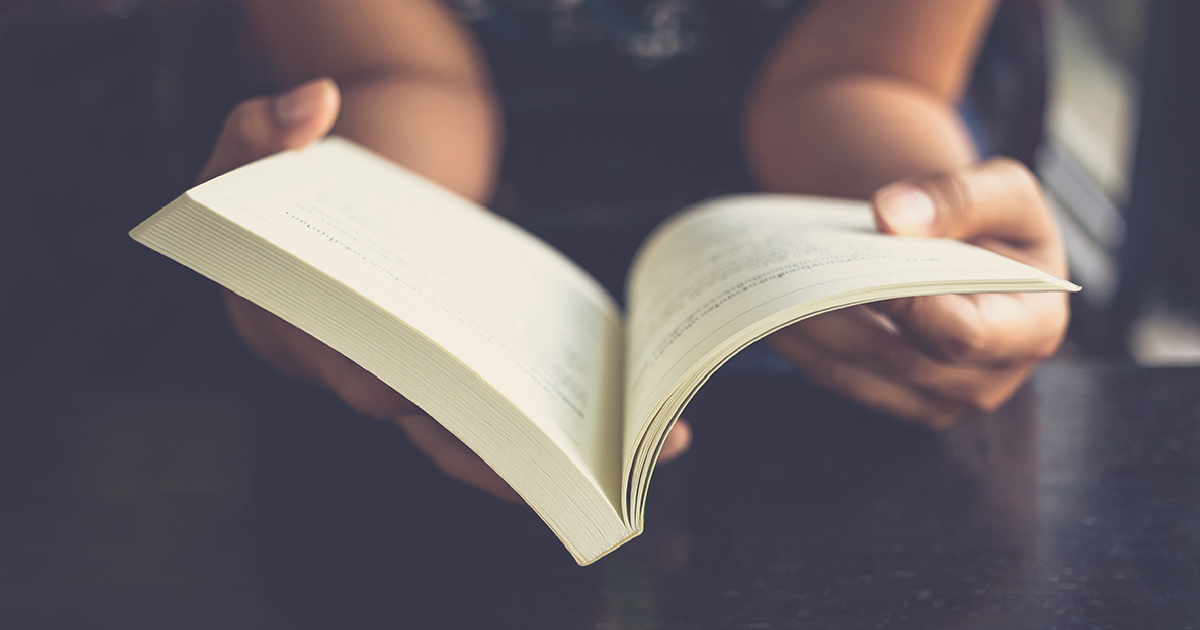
[[848, 136], [447, 133], [412, 85], [859, 93]]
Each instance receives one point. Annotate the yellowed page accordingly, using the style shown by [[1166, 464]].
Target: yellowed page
[[729, 271], [525, 319]]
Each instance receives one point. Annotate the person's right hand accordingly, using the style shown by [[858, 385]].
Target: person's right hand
[[260, 127], [935, 359]]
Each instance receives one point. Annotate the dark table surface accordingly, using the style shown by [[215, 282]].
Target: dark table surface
[[1077, 505]]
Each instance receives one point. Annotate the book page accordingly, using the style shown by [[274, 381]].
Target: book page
[[717, 277], [525, 319]]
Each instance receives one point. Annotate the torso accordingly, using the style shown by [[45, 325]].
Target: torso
[[621, 53]]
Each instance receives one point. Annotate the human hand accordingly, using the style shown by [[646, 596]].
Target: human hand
[[260, 127], [934, 359]]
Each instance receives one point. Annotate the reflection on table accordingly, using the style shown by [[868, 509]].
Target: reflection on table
[[1077, 505]]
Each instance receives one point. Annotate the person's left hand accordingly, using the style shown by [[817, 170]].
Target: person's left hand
[[934, 359]]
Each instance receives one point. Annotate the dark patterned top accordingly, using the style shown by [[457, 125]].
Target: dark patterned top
[[620, 53]]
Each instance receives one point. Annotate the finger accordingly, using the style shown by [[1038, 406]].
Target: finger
[[302, 356], [263, 126], [360, 389], [677, 442], [997, 204], [864, 337], [453, 457], [852, 381], [984, 329]]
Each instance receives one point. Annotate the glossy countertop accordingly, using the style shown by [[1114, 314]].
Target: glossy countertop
[[1076, 505]]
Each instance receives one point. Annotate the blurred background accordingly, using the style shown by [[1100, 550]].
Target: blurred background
[[1118, 161], [110, 106]]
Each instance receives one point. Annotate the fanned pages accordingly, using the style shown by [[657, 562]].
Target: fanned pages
[[512, 347], [497, 336], [728, 272]]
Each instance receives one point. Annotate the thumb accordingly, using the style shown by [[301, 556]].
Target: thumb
[[996, 204], [266, 125]]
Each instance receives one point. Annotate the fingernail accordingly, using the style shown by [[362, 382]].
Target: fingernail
[[905, 209], [300, 103]]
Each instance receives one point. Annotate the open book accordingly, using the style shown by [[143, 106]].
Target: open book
[[510, 345]]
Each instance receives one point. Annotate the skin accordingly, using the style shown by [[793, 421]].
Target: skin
[[859, 101], [856, 100]]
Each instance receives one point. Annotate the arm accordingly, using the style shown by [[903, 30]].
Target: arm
[[409, 85], [412, 83], [862, 93]]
